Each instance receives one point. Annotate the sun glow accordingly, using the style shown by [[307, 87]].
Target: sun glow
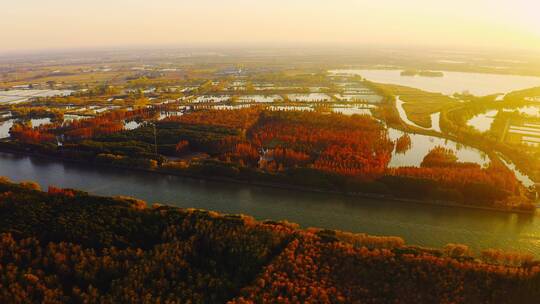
[[477, 23]]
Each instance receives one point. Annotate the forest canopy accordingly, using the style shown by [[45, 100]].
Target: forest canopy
[[315, 150], [65, 245]]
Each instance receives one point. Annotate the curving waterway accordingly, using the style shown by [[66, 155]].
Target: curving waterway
[[419, 224]]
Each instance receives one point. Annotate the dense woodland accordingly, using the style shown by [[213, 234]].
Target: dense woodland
[[318, 150], [65, 246]]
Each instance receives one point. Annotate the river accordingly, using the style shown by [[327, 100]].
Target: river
[[418, 224]]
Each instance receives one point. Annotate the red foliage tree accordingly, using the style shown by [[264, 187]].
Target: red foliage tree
[[403, 144]]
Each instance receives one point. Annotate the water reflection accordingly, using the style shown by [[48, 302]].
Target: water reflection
[[419, 224], [37, 122], [4, 128], [422, 144], [259, 98], [131, 125], [482, 122]]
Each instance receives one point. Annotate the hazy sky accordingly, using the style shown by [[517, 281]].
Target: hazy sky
[[43, 24]]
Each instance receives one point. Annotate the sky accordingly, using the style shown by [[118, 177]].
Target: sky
[[74, 24]]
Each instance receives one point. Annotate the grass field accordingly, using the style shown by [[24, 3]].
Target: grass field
[[419, 104]]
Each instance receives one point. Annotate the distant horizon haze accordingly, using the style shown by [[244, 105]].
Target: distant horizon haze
[[32, 25]]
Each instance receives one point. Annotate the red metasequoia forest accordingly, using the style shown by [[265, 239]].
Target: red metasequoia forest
[[67, 246]]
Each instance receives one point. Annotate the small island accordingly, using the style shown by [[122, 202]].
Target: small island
[[422, 73]]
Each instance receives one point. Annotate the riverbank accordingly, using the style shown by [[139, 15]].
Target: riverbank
[[221, 258], [400, 123], [276, 185], [496, 146], [419, 224]]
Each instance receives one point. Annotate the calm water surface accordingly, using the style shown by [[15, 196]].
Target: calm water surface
[[4, 127], [453, 82], [417, 224], [422, 144]]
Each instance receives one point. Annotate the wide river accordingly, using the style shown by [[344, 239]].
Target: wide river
[[418, 224]]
